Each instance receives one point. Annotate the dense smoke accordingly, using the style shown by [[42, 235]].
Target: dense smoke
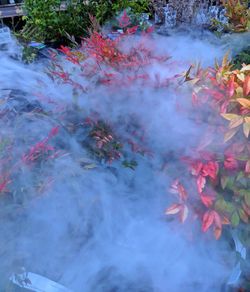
[[94, 226]]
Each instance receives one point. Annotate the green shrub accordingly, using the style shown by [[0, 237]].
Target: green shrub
[[105, 9], [242, 58], [47, 22]]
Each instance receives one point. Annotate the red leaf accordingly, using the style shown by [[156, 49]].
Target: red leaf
[[150, 29], [246, 86], [231, 86], [217, 220], [207, 221], [64, 50], [132, 30], [3, 185], [201, 181], [230, 163], [54, 131], [124, 20], [210, 169], [207, 200], [196, 168]]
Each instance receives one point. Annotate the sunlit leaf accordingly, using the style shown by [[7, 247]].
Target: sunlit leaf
[[245, 68], [229, 135], [236, 122], [246, 129], [244, 102], [230, 117], [241, 76]]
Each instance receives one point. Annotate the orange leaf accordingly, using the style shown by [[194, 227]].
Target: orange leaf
[[225, 221], [244, 102], [217, 232], [174, 209]]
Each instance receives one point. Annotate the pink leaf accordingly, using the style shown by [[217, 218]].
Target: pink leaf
[[174, 209], [201, 181]]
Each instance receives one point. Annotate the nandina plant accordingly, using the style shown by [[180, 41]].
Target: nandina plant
[[238, 14], [104, 144], [220, 188], [42, 150], [111, 61]]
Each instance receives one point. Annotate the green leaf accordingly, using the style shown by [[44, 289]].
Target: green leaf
[[230, 182], [240, 175], [235, 219], [223, 206]]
